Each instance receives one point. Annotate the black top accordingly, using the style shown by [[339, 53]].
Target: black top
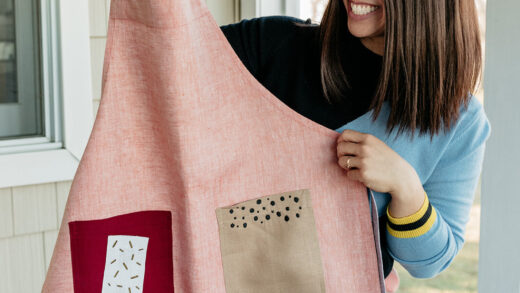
[[285, 59]]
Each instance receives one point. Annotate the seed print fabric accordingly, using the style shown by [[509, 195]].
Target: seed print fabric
[[125, 263], [270, 244], [185, 129]]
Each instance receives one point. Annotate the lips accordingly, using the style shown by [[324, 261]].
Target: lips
[[361, 9]]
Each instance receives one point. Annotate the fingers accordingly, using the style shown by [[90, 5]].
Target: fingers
[[348, 161], [347, 148], [352, 136], [355, 174]]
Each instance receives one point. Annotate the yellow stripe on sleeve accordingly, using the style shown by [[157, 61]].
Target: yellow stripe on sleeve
[[413, 225]]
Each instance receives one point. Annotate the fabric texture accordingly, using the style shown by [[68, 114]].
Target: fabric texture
[[270, 244], [184, 128], [151, 270]]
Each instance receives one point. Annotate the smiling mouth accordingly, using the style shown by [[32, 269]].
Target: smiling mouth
[[362, 8]]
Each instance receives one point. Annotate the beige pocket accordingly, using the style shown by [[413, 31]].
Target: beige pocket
[[270, 244]]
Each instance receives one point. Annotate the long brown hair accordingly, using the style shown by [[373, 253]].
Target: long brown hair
[[431, 63]]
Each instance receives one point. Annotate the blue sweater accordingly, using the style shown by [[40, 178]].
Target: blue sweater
[[449, 167]]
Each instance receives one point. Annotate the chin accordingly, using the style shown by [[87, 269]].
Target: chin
[[360, 32], [364, 31]]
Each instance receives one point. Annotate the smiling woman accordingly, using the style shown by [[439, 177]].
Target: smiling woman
[[431, 61], [369, 68]]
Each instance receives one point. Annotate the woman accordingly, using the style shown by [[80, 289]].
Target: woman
[[371, 66]]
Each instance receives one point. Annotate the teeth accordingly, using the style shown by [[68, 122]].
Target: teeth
[[360, 9]]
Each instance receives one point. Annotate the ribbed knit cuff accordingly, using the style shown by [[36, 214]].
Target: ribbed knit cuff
[[413, 225]]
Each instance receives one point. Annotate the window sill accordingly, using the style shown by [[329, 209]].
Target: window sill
[[37, 167]]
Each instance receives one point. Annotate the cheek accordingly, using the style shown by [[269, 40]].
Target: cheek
[[378, 26], [381, 25]]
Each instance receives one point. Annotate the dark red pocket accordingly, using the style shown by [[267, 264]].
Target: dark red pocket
[[140, 247]]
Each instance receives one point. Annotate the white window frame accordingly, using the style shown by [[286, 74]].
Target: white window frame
[[66, 77]]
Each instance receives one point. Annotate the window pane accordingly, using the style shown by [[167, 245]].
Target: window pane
[[20, 99], [7, 53]]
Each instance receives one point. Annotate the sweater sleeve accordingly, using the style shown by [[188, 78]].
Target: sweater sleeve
[[426, 242]]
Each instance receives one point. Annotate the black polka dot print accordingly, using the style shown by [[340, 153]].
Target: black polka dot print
[[255, 212]]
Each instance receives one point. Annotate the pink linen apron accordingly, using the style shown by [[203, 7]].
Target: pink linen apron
[[188, 147]]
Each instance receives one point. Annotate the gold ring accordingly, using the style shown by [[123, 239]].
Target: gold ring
[[348, 163]]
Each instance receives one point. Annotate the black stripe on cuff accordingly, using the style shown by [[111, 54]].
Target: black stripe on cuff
[[414, 225]]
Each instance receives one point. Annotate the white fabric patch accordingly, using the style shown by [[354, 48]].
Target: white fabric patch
[[124, 264]]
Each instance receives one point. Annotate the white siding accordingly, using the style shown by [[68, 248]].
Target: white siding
[[23, 265], [29, 221], [62, 192], [6, 213], [34, 208], [49, 240]]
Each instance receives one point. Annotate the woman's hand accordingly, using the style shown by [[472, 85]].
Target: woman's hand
[[381, 169]]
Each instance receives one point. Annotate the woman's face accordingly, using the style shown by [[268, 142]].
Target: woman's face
[[366, 18]]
